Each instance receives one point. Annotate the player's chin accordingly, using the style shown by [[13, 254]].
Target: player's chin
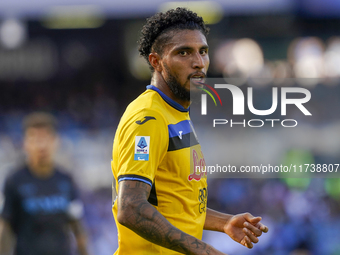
[[193, 90], [195, 87], [195, 94], [196, 84]]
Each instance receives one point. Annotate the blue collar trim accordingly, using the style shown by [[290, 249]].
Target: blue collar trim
[[167, 99]]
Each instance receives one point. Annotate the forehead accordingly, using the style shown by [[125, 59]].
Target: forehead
[[39, 131], [186, 37]]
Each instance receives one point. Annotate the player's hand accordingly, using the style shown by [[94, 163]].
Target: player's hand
[[245, 229]]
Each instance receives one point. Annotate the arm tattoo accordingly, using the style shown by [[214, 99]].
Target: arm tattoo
[[142, 218]]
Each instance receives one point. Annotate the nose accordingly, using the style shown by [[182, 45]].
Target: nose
[[41, 148], [198, 62], [42, 144]]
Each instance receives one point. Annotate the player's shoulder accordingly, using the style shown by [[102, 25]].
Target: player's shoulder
[[17, 174], [148, 106], [149, 100], [61, 173]]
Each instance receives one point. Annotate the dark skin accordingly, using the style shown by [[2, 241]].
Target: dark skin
[[186, 54], [137, 214]]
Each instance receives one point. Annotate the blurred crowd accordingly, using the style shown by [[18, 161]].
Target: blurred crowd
[[302, 220]]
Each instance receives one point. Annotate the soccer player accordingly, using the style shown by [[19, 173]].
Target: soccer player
[[41, 203], [160, 205]]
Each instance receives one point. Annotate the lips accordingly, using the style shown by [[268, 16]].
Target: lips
[[197, 77]]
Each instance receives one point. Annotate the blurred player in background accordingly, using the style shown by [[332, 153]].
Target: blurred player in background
[[41, 203], [160, 205]]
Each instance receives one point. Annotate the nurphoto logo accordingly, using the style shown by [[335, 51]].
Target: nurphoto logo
[[238, 105]]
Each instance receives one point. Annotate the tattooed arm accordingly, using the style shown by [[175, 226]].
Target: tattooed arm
[[137, 214]]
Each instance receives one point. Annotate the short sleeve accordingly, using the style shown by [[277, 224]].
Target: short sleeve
[[139, 146]]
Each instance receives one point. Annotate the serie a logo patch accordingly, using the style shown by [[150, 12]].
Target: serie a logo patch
[[142, 146]]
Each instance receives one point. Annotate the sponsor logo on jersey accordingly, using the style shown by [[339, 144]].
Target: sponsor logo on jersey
[[198, 164], [46, 204], [142, 146], [202, 198], [146, 118]]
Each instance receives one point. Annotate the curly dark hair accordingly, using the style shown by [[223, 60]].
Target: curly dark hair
[[155, 32]]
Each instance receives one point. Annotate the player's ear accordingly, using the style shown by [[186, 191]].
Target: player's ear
[[155, 61]]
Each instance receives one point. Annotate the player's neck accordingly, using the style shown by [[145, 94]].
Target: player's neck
[[42, 171], [158, 82]]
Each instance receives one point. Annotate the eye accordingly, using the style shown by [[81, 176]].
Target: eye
[[203, 52], [183, 53]]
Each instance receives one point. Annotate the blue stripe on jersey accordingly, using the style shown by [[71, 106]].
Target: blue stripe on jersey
[[174, 129], [167, 99], [134, 178]]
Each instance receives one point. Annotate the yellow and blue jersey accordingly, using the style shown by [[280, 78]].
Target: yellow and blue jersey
[[155, 143]]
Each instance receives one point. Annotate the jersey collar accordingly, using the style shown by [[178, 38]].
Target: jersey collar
[[167, 99]]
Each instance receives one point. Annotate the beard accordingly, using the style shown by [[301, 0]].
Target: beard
[[175, 86], [179, 91]]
